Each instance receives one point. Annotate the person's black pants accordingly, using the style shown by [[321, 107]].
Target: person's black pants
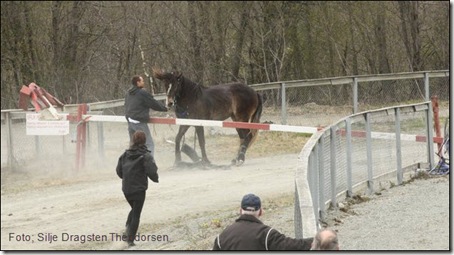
[[136, 201]]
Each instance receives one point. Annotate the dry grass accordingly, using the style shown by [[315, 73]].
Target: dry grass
[[268, 143]]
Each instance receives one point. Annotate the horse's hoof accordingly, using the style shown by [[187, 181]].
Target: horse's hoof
[[239, 162], [205, 164], [178, 164]]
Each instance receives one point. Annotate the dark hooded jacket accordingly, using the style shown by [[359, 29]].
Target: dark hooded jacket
[[134, 165], [249, 233], [138, 102]]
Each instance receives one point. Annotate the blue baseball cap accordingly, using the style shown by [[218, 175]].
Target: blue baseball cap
[[251, 203]]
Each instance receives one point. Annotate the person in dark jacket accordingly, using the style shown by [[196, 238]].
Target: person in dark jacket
[[249, 233], [137, 106], [134, 166]]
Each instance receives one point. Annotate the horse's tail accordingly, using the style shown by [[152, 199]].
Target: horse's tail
[[256, 118], [258, 111]]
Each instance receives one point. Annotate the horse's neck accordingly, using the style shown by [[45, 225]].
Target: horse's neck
[[191, 89]]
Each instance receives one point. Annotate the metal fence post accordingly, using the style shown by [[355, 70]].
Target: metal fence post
[[355, 95], [398, 147], [429, 135], [370, 176], [313, 179], [333, 164], [283, 104], [426, 86], [348, 136], [320, 179]]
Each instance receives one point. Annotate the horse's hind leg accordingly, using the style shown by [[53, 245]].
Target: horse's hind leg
[[246, 137], [201, 136]]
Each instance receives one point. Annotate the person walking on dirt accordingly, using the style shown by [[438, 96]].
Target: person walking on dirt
[[137, 104], [134, 166], [249, 233], [325, 239]]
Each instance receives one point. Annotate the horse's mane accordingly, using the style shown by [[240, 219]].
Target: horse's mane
[[191, 87]]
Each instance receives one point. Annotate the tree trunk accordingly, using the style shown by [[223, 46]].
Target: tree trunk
[[195, 42], [380, 36], [410, 25], [236, 59]]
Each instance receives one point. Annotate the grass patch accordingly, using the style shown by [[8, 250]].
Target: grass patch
[[267, 143]]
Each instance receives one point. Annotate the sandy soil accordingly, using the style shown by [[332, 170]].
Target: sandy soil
[[92, 204]]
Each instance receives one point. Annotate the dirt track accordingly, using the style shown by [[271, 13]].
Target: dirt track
[[56, 199], [97, 207]]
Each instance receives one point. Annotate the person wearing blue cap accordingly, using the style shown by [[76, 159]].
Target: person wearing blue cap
[[249, 233]]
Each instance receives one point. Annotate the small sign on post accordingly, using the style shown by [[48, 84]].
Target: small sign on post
[[35, 126]]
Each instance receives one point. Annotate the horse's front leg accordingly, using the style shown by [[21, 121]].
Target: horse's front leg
[[181, 131], [201, 136]]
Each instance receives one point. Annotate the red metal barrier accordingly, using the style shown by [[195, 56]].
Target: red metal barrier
[[81, 136], [436, 109]]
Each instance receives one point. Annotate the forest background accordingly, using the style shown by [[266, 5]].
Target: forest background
[[87, 51]]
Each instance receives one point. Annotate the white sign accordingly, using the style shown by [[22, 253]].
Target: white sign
[[34, 126]]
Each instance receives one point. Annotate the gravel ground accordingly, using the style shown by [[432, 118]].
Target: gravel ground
[[413, 216]]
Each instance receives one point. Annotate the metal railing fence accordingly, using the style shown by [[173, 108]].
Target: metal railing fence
[[357, 153], [288, 102]]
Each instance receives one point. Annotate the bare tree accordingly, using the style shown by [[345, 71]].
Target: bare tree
[[87, 51], [240, 37], [410, 23]]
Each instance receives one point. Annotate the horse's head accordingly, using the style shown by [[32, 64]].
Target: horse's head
[[172, 84]]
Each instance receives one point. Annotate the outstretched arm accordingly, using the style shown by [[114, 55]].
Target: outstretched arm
[[152, 103], [278, 241]]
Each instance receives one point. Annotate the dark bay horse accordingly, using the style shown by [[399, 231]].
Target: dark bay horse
[[193, 101]]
